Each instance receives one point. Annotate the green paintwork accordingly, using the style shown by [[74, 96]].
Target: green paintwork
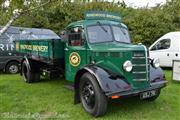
[[109, 55], [47, 49], [115, 55], [101, 15], [105, 56]]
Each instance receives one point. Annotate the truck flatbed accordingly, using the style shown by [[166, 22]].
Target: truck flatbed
[[45, 50]]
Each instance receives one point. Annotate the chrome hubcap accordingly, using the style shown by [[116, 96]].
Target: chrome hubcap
[[13, 69]]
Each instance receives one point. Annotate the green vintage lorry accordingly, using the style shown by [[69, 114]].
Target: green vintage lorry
[[97, 56]]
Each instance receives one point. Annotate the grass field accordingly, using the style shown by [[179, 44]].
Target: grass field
[[50, 99]]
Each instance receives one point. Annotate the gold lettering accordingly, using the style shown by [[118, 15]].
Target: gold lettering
[[26, 47], [34, 48]]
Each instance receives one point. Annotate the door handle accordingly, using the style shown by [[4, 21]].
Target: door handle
[[168, 54], [176, 54]]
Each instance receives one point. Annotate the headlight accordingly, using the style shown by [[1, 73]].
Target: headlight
[[127, 66], [156, 63]]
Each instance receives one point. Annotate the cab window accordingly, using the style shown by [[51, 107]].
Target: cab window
[[121, 34], [99, 33], [74, 36], [161, 45]]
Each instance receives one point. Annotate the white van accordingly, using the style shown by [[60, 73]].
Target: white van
[[166, 48]]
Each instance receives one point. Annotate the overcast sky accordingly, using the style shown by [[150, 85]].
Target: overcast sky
[[142, 3]]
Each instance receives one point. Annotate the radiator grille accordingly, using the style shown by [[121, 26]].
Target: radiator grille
[[140, 66]]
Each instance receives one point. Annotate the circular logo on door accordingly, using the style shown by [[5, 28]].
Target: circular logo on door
[[74, 59]]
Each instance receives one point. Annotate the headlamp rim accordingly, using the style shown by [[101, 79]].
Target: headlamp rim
[[125, 65]]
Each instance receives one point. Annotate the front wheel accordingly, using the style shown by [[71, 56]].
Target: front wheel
[[93, 99]]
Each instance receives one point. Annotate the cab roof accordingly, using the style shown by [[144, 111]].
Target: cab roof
[[93, 22], [92, 17]]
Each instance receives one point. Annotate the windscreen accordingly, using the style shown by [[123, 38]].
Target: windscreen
[[106, 33], [100, 33], [121, 34]]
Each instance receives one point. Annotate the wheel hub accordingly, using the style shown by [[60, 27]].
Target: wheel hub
[[88, 95], [13, 69]]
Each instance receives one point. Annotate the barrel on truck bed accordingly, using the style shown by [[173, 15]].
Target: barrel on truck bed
[[50, 51]]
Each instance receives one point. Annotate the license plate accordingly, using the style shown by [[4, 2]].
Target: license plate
[[148, 94]]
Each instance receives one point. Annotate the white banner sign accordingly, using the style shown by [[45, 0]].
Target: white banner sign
[[176, 70]]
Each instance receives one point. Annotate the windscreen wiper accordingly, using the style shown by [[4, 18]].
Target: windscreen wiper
[[123, 31], [102, 27]]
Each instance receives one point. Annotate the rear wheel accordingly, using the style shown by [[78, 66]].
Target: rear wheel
[[30, 75], [12, 68], [93, 99]]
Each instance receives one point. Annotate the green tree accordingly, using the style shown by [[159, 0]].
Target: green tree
[[145, 24]]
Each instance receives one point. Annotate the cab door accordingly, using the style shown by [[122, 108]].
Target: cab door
[[75, 52], [162, 51]]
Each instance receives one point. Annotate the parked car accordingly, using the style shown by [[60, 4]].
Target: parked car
[[9, 58], [166, 48]]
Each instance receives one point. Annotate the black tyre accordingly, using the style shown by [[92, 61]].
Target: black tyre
[[30, 76], [92, 98], [154, 97], [12, 68]]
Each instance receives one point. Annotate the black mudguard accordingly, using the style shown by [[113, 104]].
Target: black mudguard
[[156, 74], [108, 81], [157, 77], [28, 64], [32, 65], [111, 83]]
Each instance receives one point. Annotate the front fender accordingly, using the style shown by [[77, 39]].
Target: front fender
[[108, 81], [156, 74]]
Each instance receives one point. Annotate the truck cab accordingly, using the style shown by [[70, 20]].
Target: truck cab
[[94, 41], [101, 49], [97, 56]]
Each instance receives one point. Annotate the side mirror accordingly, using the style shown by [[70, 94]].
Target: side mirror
[[64, 36]]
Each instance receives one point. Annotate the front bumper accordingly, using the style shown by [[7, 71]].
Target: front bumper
[[131, 92]]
